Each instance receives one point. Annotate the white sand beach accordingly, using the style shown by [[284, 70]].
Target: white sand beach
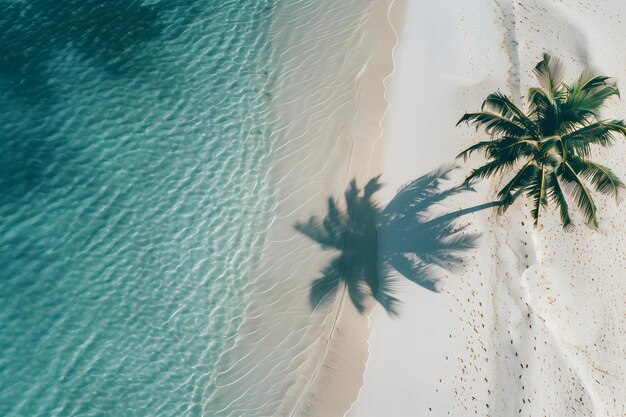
[[534, 323]]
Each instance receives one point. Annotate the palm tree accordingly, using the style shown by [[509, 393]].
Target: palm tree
[[549, 146]]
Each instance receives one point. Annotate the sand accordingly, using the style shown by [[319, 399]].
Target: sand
[[289, 355], [332, 375], [534, 322]]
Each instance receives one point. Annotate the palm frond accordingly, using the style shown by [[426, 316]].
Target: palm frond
[[494, 124], [550, 72], [520, 181], [555, 193], [512, 148], [601, 133], [588, 95], [544, 111], [537, 96], [480, 146], [500, 104], [538, 192], [602, 178], [580, 193], [589, 80], [489, 169]]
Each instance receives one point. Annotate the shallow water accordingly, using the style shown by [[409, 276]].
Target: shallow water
[[138, 182], [133, 198]]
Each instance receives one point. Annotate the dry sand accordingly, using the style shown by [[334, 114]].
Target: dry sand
[[534, 324]]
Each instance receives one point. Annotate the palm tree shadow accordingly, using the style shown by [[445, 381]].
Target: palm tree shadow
[[377, 245], [416, 245], [354, 233]]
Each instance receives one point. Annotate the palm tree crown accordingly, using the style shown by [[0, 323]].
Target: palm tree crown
[[549, 146]]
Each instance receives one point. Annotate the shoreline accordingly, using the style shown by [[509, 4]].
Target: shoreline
[[346, 348], [327, 100]]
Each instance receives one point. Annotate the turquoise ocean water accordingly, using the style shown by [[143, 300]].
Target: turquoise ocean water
[[136, 142], [132, 196]]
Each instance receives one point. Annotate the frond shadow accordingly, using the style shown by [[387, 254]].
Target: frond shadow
[[377, 245]]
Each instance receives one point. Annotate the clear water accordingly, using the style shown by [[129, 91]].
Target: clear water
[[132, 174]]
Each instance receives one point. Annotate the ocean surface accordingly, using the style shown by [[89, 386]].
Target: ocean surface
[[138, 142]]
